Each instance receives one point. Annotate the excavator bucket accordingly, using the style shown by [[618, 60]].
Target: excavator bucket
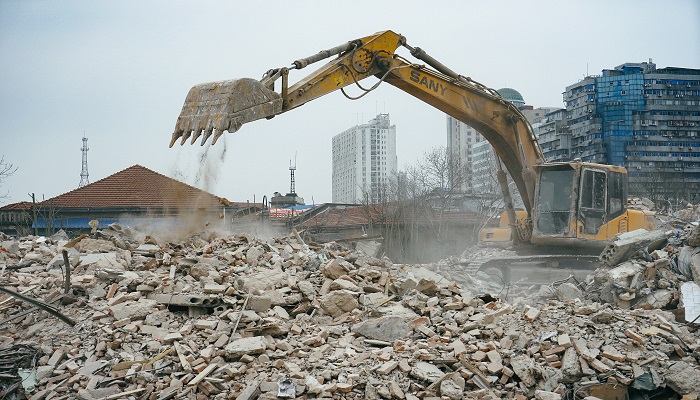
[[215, 107]]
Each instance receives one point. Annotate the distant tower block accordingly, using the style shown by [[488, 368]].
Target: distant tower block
[[84, 172]]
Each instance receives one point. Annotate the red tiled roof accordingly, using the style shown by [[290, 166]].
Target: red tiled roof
[[245, 204], [137, 186], [21, 206], [342, 216], [386, 214]]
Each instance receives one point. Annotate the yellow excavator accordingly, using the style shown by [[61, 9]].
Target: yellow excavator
[[567, 204]]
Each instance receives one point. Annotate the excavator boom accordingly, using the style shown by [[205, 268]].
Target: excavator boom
[[212, 108]]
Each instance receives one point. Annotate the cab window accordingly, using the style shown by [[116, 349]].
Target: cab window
[[592, 205], [617, 194], [554, 201]]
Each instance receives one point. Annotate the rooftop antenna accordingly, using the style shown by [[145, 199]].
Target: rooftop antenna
[[291, 172], [84, 172]]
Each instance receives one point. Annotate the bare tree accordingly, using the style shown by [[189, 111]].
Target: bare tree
[[487, 192], [6, 169], [422, 200], [424, 194], [369, 209], [48, 212], [439, 173], [667, 189]]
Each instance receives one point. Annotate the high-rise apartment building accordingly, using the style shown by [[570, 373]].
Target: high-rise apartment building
[[364, 160], [484, 181], [460, 140], [476, 154], [553, 134], [643, 118]]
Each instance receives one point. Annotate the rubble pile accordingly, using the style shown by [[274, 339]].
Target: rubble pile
[[649, 270], [689, 213], [238, 317], [640, 203]]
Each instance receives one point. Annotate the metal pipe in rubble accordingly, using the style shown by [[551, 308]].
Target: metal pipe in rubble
[[66, 263], [38, 303]]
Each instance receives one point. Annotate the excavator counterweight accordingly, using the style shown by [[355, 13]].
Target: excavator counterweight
[[214, 107]]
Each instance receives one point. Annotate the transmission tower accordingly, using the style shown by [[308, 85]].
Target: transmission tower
[[292, 189], [84, 172]]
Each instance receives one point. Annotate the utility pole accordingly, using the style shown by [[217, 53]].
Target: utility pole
[[36, 227], [84, 172]]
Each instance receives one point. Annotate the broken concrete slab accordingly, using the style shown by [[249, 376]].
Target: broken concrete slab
[[625, 245], [245, 346], [336, 268], [133, 309], [522, 366], [568, 291], [263, 280], [388, 329], [683, 378], [426, 372]]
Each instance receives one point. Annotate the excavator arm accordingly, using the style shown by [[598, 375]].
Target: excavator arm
[[500, 122], [212, 108]]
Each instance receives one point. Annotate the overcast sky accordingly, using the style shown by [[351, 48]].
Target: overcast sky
[[119, 71]]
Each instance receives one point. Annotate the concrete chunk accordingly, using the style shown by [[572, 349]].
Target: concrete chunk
[[263, 280], [387, 329], [426, 372], [522, 366], [570, 368], [336, 268], [259, 303], [624, 245], [683, 378], [245, 346], [387, 367], [338, 302], [133, 309]]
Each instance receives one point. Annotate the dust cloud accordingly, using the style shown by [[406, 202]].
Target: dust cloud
[[201, 215]]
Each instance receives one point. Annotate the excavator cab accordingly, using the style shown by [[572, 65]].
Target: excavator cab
[[579, 202]]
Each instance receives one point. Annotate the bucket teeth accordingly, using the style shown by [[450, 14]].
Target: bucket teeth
[[195, 136], [207, 134], [185, 136], [224, 106], [176, 135], [216, 136]]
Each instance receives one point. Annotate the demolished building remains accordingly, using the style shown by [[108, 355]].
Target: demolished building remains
[[234, 316]]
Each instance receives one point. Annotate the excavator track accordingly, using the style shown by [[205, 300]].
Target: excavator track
[[509, 267]]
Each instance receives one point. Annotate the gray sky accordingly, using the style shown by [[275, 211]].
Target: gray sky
[[119, 72]]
